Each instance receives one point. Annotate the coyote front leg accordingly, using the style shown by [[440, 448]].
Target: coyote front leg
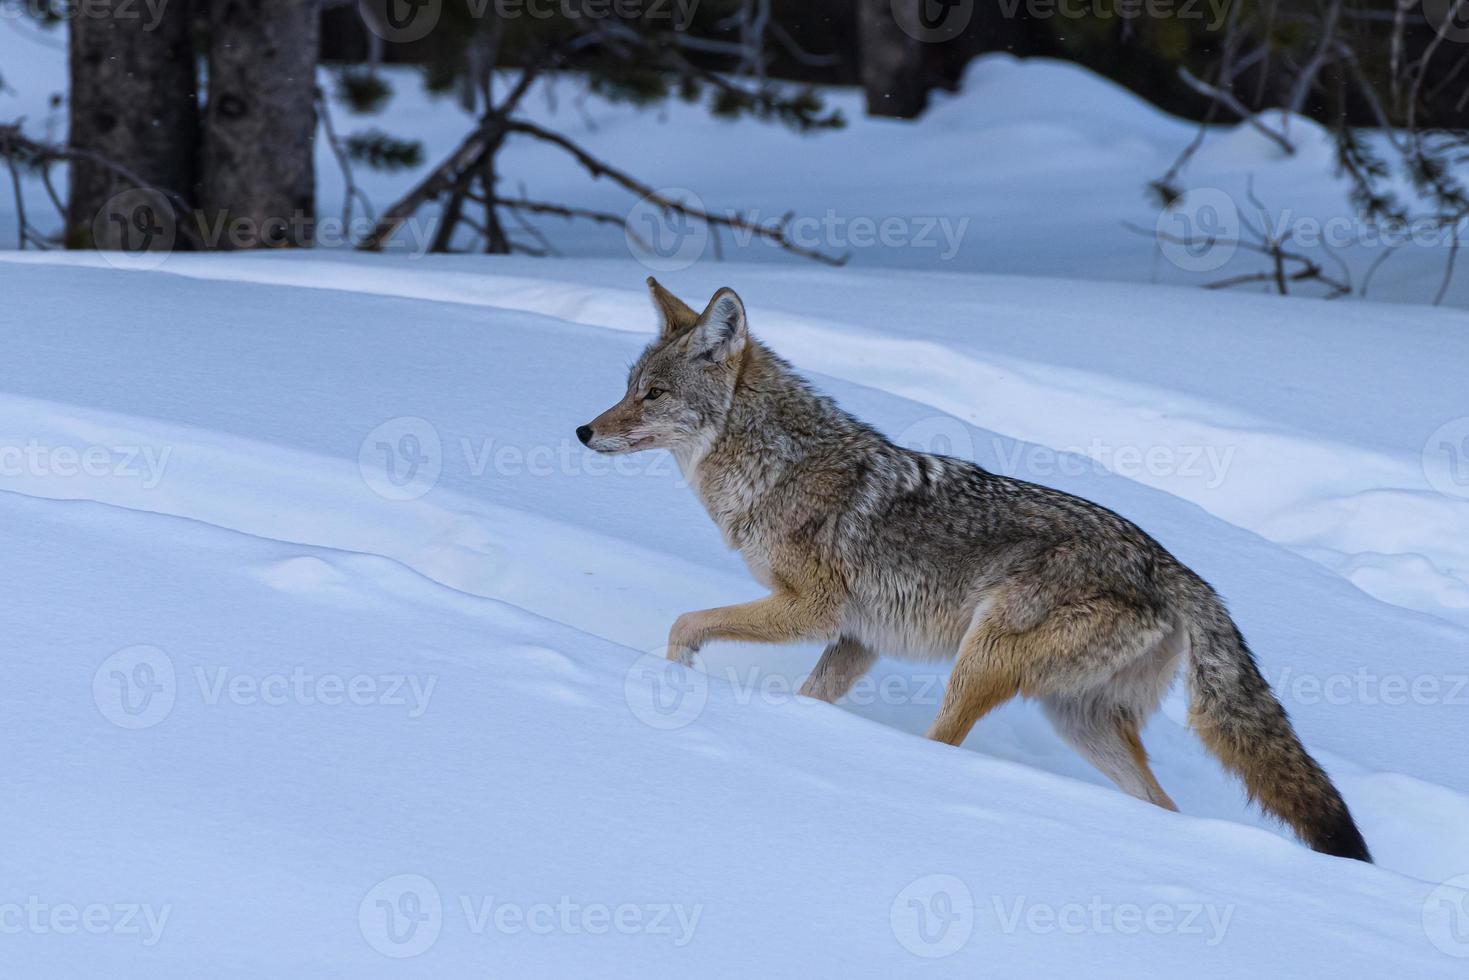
[[841, 665], [781, 617]]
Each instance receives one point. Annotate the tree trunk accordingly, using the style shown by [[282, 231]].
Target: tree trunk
[[134, 102], [894, 55], [258, 185]]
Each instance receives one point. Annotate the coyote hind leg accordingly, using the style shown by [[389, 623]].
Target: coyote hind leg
[[841, 665], [981, 681], [1107, 736], [1066, 651]]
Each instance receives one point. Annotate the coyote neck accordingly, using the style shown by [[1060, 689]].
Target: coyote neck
[[775, 426]]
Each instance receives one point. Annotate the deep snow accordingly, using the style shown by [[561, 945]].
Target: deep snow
[[515, 745], [333, 654]]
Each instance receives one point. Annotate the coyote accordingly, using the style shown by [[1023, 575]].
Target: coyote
[[870, 547]]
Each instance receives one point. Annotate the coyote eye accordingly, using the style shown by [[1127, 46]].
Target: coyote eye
[[653, 394]]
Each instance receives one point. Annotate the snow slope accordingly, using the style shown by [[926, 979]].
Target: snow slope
[[385, 696], [333, 654]]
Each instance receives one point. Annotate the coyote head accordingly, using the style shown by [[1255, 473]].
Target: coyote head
[[680, 389]]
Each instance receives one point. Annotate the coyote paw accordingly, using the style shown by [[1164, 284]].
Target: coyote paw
[[682, 655], [683, 639]]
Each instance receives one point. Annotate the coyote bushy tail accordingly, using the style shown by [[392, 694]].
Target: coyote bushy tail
[[1241, 722]]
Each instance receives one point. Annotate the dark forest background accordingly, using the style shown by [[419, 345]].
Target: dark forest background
[[208, 110]]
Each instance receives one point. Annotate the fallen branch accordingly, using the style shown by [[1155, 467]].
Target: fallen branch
[[775, 232], [15, 146]]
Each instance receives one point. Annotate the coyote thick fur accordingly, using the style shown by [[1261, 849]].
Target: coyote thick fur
[[870, 547]]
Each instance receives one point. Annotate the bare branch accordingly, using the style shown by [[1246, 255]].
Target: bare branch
[[774, 233], [1231, 102]]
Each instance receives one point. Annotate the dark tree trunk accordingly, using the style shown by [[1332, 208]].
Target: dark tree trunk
[[895, 72], [258, 179], [134, 102]]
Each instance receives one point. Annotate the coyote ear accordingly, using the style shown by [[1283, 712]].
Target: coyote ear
[[674, 315], [720, 333]]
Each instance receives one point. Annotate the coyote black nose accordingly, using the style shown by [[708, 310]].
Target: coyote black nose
[[584, 433]]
